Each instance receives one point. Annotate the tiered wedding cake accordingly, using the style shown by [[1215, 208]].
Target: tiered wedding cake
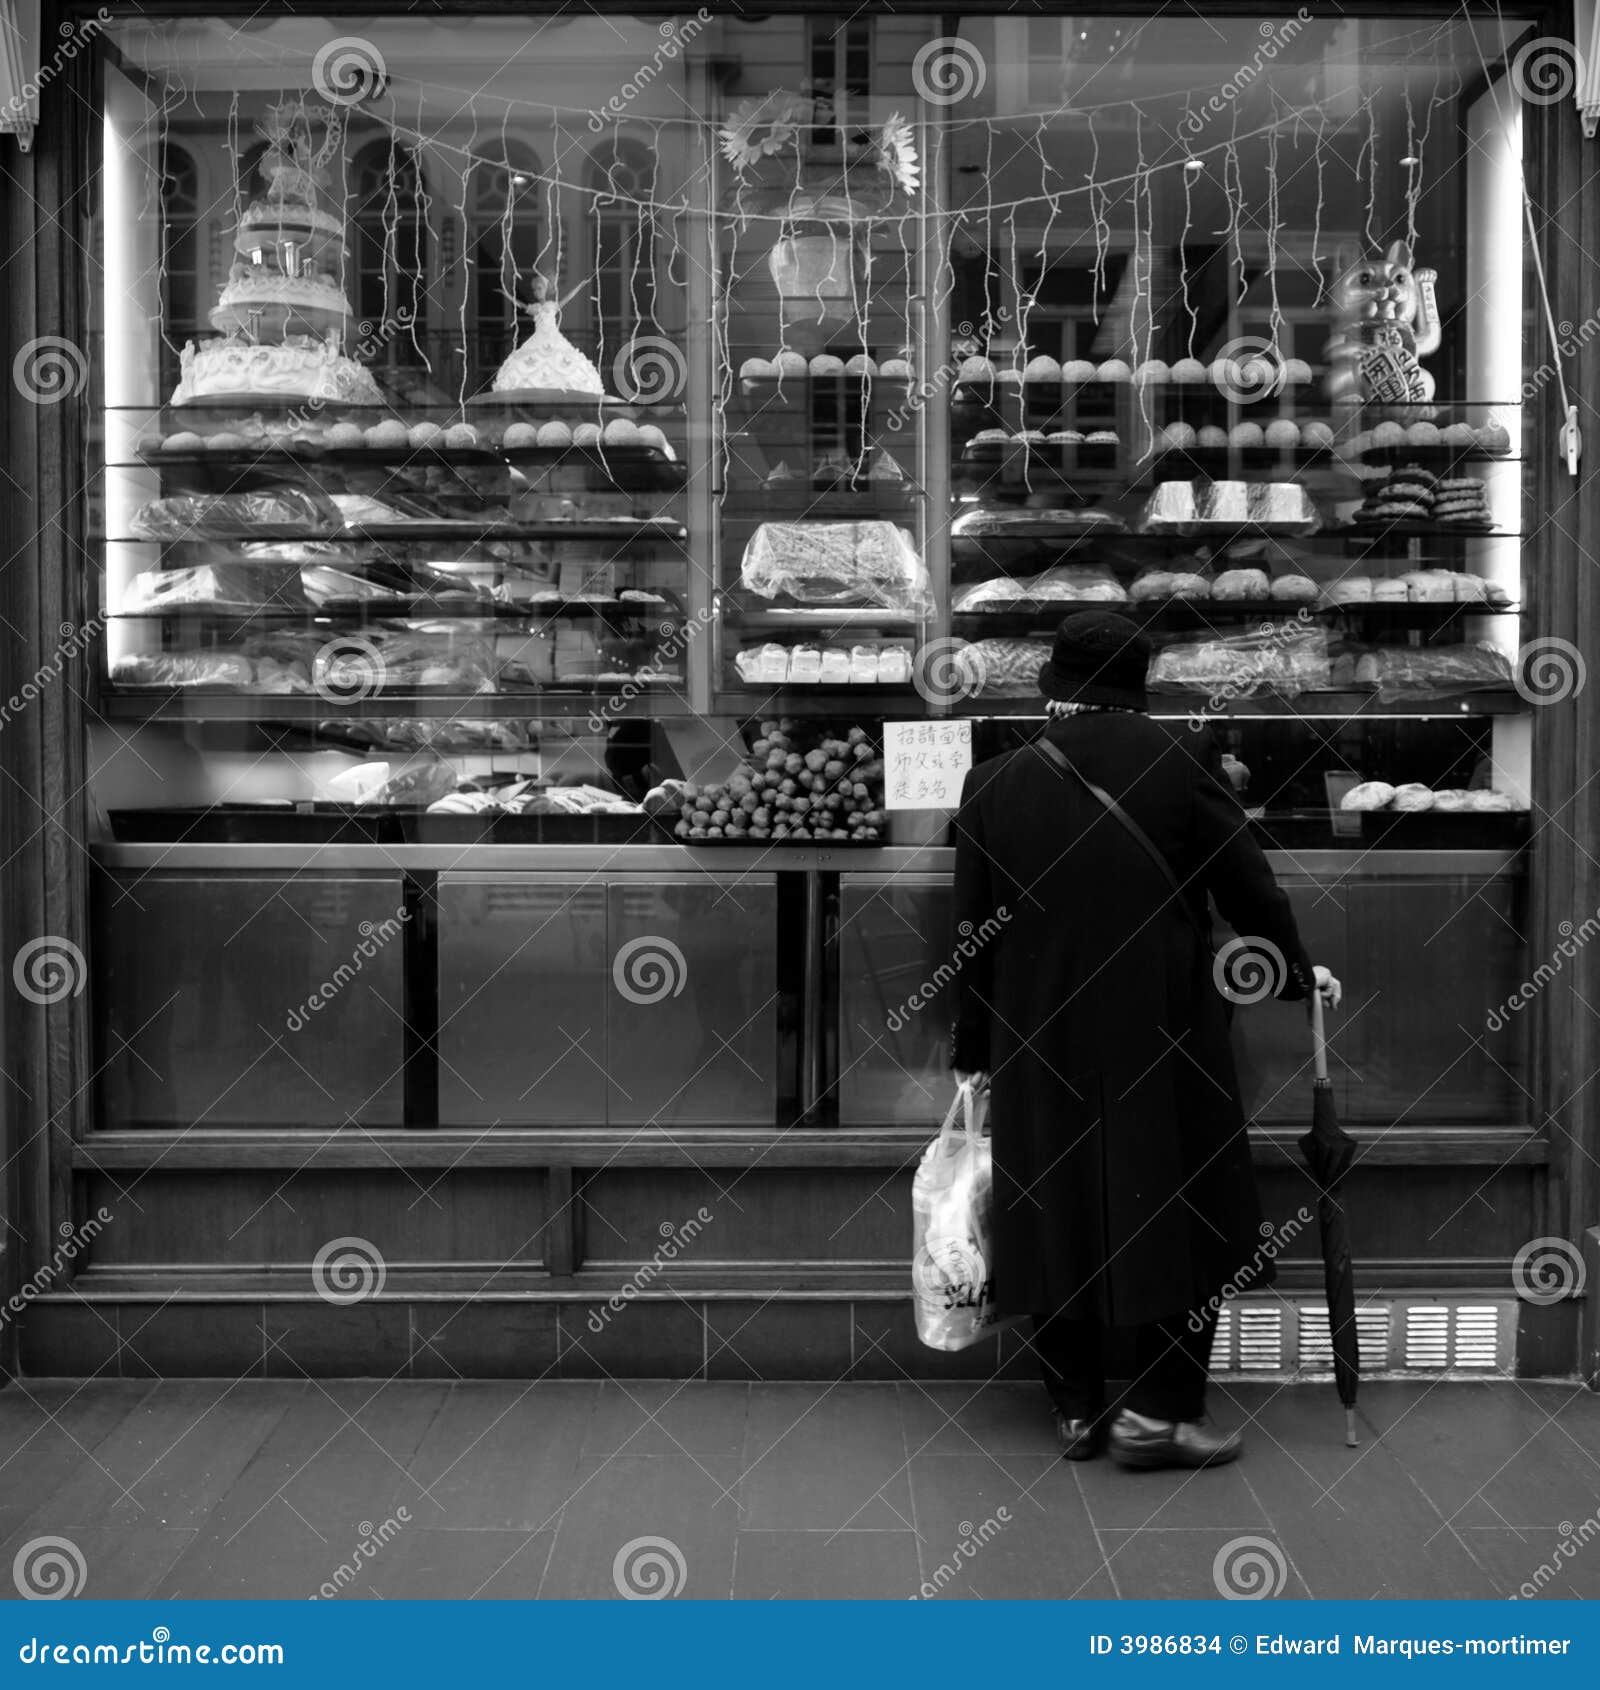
[[547, 361], [283, 311]]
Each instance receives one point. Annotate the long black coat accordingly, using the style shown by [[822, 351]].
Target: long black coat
[[1123, 1183]]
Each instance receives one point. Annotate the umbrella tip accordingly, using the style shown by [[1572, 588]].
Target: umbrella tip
[[1352, 1437]]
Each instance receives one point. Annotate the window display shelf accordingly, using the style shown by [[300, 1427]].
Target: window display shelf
[[608, 701]]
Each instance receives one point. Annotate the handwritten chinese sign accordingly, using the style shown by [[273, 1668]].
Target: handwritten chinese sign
[[925, 763]]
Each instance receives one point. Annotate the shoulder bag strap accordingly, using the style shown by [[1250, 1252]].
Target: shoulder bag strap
[[1140, 837]]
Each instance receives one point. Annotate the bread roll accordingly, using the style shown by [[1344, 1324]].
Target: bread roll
[[1369, 795]]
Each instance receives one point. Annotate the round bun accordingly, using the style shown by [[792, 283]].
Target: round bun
[[1246, 434], [861, 364], [1317, 434], [1114, 369], [1451, 799], [757, 369], [1283, 431], [1297, 372], [1178, 435], [1413, 796], [1485, 800], [1211, 435], [1189, 372], [1297, 589], [1369, 795], [826, 364], [1042, 368], [790, 364], [1152, 372], [975, 369], [1077, 370]]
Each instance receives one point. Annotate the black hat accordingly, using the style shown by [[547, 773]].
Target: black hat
[[1098, 658]]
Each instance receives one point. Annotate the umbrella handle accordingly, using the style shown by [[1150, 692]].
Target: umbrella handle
[[1319, 1037]]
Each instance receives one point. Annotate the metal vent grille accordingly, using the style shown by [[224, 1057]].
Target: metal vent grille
[[1315, 1353], [1254, 1338], [1427, 1344], [1477, 1341], [1260, 1339]]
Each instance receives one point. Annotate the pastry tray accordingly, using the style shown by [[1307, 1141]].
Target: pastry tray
[[372, 824]]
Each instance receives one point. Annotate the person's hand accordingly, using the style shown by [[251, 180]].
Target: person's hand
[[977, 1078], [1328, 987]]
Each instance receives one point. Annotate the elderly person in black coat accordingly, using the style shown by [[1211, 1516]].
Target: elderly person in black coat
[[1123, 1188]]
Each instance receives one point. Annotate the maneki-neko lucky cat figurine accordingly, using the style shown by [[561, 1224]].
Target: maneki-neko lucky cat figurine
[[1385, 321]]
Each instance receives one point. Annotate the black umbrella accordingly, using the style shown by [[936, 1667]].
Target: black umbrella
[[1329, 1150]]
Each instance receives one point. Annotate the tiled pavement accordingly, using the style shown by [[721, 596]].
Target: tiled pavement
[[198, 1489]]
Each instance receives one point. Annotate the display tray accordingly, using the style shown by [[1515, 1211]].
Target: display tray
[[1220, 463], [1369, 532], [542, 398], [1457, 830], [792, 389], [1434, 458], [369, 824], [372, 612], [624, 528]]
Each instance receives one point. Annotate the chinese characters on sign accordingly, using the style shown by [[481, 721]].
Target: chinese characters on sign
[[925, 763]]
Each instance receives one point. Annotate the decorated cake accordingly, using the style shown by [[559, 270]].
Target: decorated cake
[[283, 311], [547, 361]]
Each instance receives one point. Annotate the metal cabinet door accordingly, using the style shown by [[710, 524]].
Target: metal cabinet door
[[523, 999], [250, 999], [894, 1006], [693, 1007]]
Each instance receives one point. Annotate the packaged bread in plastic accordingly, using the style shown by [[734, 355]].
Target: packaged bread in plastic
[[1403, 672], [1002, 666], [834, 562], [233, 516], [1287, 659], [241, 586]]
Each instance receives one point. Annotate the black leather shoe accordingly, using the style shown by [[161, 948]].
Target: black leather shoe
[[1079, 1439], [1140, 1442]]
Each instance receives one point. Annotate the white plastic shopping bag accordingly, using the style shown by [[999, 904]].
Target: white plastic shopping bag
[[951, 1201]]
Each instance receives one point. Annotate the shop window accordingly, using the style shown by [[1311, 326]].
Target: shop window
[[183, 278], [505, 246], [841, 71], [390, 245], [625, 244]]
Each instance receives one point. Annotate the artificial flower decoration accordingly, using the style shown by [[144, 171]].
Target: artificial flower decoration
[[760, 128], [897, 154]]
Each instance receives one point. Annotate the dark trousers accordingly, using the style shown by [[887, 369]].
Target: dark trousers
[[1169, 1365]]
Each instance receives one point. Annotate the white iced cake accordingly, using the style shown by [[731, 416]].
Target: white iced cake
[[548, 360], [295, 369]]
